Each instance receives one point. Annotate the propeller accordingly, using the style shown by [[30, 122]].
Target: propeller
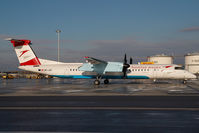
[[125, 66], [131, 60]]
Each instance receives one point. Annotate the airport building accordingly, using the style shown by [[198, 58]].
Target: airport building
[[160, 59], [192, 62]]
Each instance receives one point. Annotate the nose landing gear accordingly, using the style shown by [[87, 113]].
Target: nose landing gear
[[184, 81]]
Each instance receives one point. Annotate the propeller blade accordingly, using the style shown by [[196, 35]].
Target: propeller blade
[[125, 66], [125, 60], [131, 60]]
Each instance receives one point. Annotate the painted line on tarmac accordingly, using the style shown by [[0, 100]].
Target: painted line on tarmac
[[45, 132], [94, 108]]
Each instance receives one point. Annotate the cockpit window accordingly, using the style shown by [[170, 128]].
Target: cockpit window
[[179, 68]]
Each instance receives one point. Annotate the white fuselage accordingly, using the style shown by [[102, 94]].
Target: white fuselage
[[94, 68], [135, 71]]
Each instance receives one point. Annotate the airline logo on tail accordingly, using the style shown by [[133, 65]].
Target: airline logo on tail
[[23, 52]]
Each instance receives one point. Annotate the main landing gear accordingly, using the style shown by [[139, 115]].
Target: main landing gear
[[97, 81], [106, 81]]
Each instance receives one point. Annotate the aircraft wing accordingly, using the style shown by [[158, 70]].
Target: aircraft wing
[[100, 66], [94, 61]]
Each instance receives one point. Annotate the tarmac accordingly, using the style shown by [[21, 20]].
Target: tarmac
[[101, 102], [56, 105], [67, 87]]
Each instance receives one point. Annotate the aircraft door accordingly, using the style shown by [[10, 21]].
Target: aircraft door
[[184, 75], [158, 73], [155, 73]]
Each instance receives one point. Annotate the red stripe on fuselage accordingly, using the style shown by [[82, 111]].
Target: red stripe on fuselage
[[167, 66], [34, 61]]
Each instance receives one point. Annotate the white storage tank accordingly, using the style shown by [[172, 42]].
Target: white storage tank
[[161, 59], [192, 62]]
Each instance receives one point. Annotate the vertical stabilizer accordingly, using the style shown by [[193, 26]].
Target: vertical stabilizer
[[24, 52]]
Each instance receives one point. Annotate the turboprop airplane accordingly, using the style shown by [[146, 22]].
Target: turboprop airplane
[[94, 68]]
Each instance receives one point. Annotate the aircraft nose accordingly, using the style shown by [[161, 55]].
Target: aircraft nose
[[192, 76]]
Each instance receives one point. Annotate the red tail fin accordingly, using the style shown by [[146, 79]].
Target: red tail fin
[[24, 52]]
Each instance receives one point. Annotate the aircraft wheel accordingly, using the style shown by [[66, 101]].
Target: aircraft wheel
[[184, 81], [96, 82], [106, 81]]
